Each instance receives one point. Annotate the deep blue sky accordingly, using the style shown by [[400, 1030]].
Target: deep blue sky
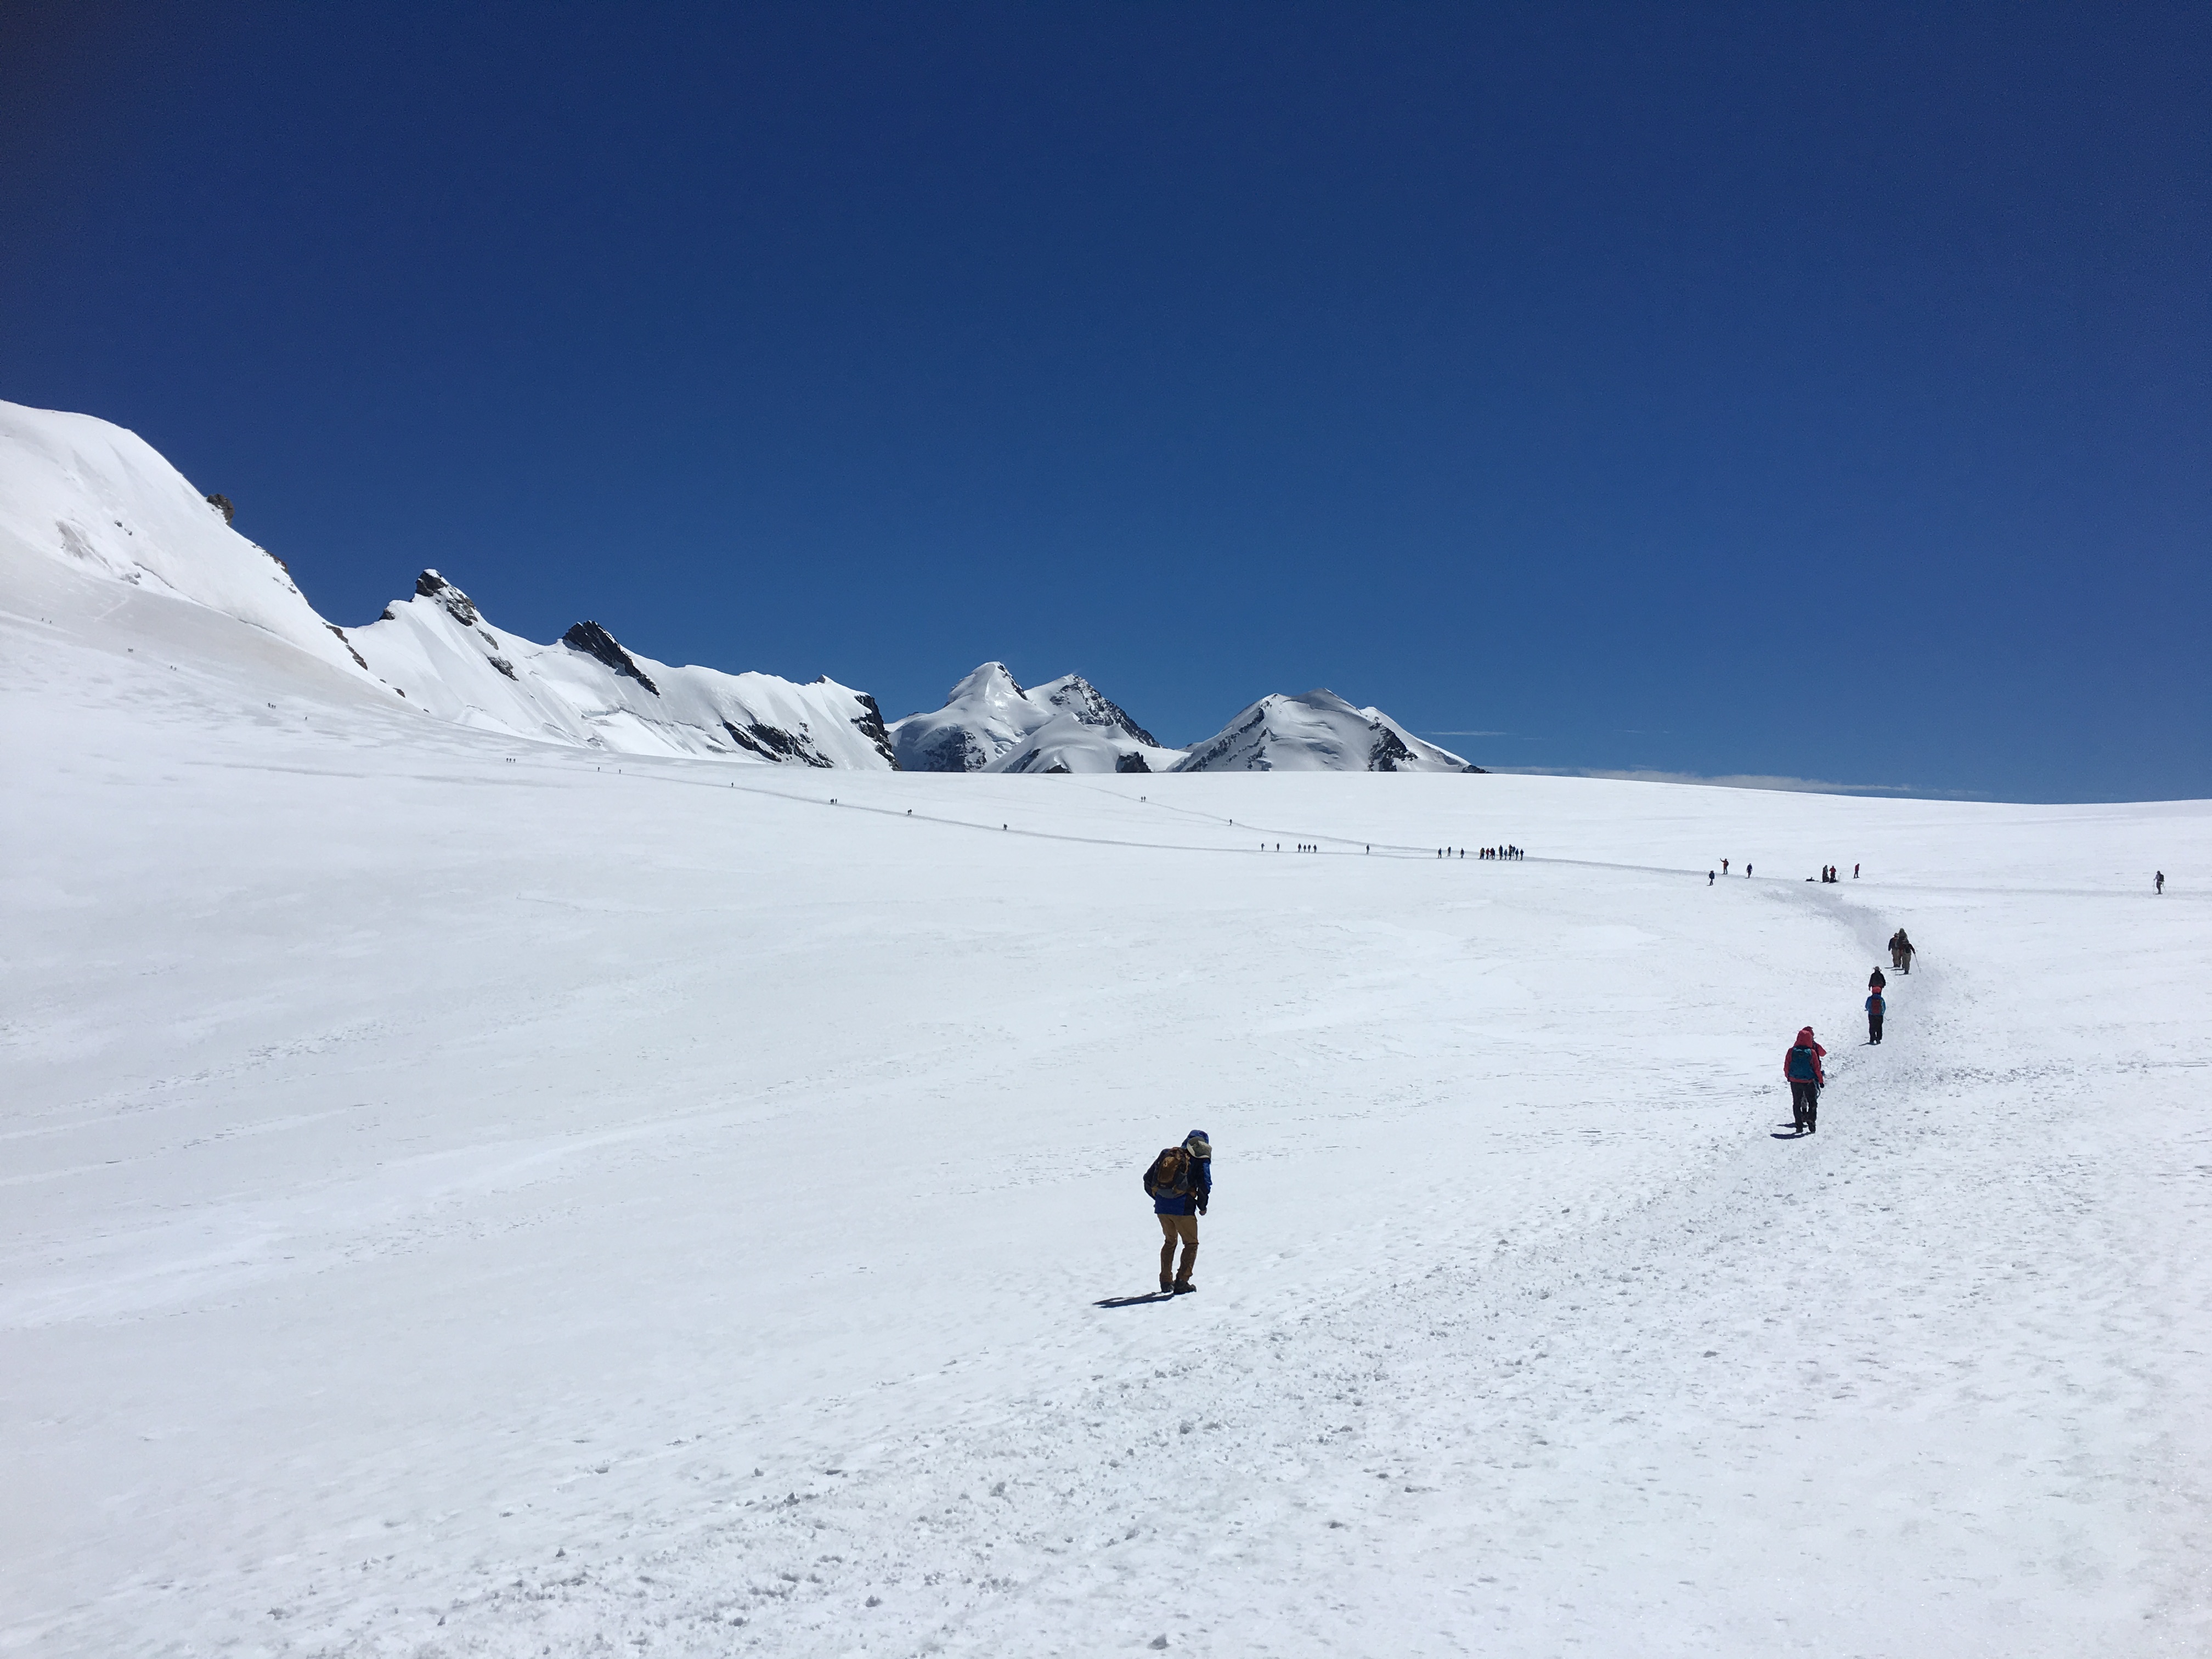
[[1761, 389]]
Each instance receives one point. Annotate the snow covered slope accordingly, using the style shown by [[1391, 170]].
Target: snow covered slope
[[1319, 731], [101, 502], [438, 651], [990, 723], [469, 1196], [96, 502]]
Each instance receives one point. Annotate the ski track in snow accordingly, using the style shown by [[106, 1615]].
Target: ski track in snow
[[467, 1198]]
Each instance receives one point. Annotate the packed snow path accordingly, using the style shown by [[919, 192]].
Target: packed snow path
[[464, 1202]]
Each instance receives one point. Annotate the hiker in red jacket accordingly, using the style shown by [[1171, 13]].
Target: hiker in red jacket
[[1800, 1067]]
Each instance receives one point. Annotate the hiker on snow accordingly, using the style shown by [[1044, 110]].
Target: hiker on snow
[[1179, 1183], [1874, 980], [1901, 952], [1876, 1007], [1801, 1067]]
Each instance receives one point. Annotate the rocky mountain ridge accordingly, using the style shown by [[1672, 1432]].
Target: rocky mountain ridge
[[99, 501]]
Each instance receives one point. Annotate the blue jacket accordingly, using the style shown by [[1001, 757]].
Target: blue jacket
[[1875, 1004], [1201, 1190]]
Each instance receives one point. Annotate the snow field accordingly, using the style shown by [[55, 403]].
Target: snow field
[[468, 1196]]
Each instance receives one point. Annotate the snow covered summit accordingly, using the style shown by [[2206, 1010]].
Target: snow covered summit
[[990, 723], [81, 496], [1319, 731]]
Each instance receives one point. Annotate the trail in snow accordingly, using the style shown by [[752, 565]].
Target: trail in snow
[[464, 1202]]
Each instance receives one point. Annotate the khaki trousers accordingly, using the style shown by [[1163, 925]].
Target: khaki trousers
[[1172, 1227]]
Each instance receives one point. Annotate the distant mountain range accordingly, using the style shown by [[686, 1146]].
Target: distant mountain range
[[101, 501]]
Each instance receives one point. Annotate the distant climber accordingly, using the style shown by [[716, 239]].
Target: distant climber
[[1709, 878], [1900, 951], [1179, 1182], [1801, 1067], [2157, 882], [1875, 1008], [1874, 980]]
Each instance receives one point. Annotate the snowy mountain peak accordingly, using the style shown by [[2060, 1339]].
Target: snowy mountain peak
[[990, 723], [1092, 707], [991, 681], [1319, 731]]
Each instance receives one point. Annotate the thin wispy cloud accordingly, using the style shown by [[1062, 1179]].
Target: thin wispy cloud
[[1743, 780]]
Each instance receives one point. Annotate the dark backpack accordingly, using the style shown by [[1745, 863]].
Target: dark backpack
[[1804, 1066], [1170, 1174]]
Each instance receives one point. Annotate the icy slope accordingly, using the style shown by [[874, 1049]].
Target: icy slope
[[1319, 731], [438, 651], [99, 502], [475, 1197], [990, 723]]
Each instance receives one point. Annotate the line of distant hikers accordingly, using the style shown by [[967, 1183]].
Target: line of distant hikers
[[1180, 1180], [1801, 1067]]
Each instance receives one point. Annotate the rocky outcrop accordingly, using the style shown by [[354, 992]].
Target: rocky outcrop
[[595, 641], [431, 586]]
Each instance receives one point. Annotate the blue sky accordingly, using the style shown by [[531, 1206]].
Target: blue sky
[[1807, 392]]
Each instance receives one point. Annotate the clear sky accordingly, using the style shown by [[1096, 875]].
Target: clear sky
[[1769, 389]]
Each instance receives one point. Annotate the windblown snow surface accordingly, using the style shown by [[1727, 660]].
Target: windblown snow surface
[[467, 1195]]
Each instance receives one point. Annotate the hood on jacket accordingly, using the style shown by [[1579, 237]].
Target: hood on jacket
[[1806, 1035]]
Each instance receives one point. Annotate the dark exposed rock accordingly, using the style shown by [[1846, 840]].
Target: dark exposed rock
[[1132, 764], [348, 643], [221, 504], [774, 743], [431, 586], [1054, 768], [503, 665], [870, 722], [595, 641], [1389, 752]]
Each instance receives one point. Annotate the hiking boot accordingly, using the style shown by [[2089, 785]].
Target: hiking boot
[[1167, 1284], [1183, 1285]]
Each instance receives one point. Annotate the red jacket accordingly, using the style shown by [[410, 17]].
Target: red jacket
[[1805, 1041]]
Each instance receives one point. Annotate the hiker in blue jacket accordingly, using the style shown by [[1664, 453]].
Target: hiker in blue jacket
[[1179, 1182], [1876, 1007]]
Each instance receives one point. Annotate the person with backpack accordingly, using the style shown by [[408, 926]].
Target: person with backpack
[[1904, 952], [1875, 1008], [1874, 980], [2158, 883], [1801, 1067], [1179, 1182]]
